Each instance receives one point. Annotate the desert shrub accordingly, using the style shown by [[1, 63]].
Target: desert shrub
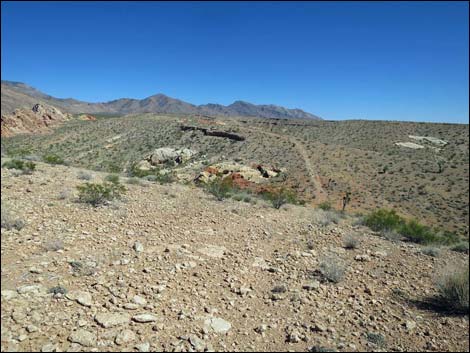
[[416, 232], [220, 188], [53, 245], [325, 206], [280, 197], [324, 218], [332, 268], [242, 196], [57, 290], [26, 167], [153, 175], [84, 175], [376, 338], [321, 349], [431, 251], [389, 222], [112, 178], [453, 286], [383, 220], [351, 242], [64, 194], [53, 159], [461, 247], [96, 194], [8, 221], [133, 181]]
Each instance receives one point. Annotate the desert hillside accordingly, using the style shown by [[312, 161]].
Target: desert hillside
[[169, 267]]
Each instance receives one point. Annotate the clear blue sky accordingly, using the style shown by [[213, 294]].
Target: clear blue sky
[[339, 60]]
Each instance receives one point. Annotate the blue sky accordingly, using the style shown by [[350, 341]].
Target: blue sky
[[338, 60]]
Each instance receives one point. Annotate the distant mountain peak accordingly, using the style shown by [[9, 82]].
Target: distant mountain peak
[[157, 103]]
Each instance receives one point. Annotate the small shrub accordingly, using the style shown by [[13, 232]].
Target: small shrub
[[332, 269], [325, 218], [376, 338], [280, 197], [64, 194], [351, 242], [220, 188], [96, 194], [325, 206], [418, 233], [53, 245], [57, 290], [53, 159], [8, 221], [431, 251], [453, 286], [133, 181], [26, 167], [112, 178], [460, 247], [383, 220], [84, 175]]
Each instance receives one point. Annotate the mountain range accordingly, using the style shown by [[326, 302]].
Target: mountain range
[[20, 95]]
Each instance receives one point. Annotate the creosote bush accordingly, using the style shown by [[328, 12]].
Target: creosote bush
[[53, 159], [97, 194], [388, 221], [220, 188], [26, 167], [280, 197]]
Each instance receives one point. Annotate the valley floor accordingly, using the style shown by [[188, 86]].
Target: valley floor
[[170, 268]]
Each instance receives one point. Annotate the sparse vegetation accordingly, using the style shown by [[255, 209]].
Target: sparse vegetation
[[376, 338], [26, 167], [112, 178], [325, 218], [325, 206], [388, 221], [54, 245], [84, 175], [453, 286], [351, 242], [8, 221], [280, 197], [461, 247], [220, 188], [53, 159], [332, 268], [431, 251], [97, 194]]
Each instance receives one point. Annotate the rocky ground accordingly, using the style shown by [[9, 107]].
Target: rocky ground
[[170, 268]]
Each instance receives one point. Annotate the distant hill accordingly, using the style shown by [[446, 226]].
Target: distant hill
[[19, 95]]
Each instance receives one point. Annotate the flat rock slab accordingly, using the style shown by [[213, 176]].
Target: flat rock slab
[[213, 251], [83, 337], [145, 318], [217, 325], [107, 320]]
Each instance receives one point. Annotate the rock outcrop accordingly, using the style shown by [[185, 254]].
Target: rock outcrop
[[39, 119]]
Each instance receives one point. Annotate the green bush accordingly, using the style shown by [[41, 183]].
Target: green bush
[[26, 167], [53, 159], [112, 178], [417, 233], [326, 206], [461, 247], [388, 221], [383, 220], [280, 197], [220, 188], [97, 194]]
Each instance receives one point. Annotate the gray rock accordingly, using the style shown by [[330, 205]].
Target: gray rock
[[138, 247], [125, 336], [144, 318], [9, 294], [143, 347], [108, 320], [83, 337]]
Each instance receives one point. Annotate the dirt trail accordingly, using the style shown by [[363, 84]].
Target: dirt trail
[[320, 194]]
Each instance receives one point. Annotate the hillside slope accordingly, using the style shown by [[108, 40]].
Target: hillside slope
[[170, 268]]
